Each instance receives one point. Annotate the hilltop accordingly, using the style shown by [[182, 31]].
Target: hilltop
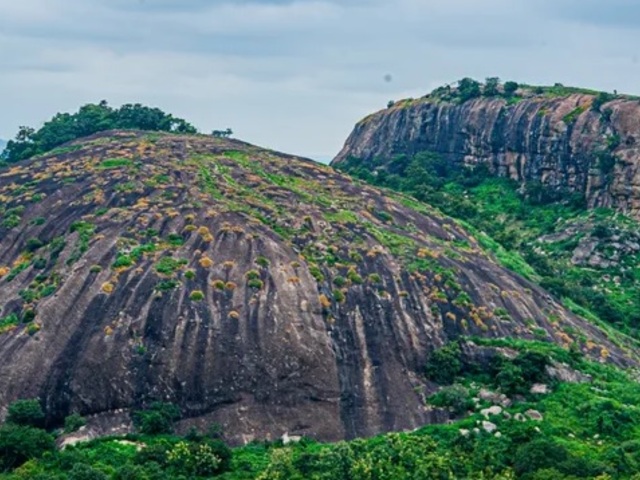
[[570, 141], [254, 289]]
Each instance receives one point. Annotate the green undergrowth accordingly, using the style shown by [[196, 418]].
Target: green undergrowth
[[584, 430], [587, 256]]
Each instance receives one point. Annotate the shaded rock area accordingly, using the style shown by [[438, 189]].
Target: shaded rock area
[[256, 290], [560, 142]]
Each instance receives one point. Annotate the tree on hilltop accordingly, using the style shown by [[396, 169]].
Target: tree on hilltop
[[90, 119]]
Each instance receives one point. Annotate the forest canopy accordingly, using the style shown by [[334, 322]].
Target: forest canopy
[[90, 119]]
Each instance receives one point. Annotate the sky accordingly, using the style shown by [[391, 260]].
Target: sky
[[296, 75]]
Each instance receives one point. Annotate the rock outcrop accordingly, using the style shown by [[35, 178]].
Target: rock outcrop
[[260, 291], [561, 142]]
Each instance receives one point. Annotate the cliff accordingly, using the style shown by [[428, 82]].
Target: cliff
[[564, 142], [260, 291]]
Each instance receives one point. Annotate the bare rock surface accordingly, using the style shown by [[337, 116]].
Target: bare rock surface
[[256, 290], [557, 141]]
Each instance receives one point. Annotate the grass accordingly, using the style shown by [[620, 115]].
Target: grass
[[112, 163]]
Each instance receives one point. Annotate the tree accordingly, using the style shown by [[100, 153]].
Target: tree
[[601, 99], [88, 120], [510, 88], [444, 364], [74, 422], [540, 453], [19, 444], [26, 413], [491, 87], [157, 419], [468, 88], [222, 133]]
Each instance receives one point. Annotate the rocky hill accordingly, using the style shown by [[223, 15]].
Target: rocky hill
[[570, 140], [257, 290]]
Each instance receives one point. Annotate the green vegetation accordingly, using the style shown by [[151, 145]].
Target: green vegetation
[[468, 89], [535, 231], [444, 364], [114, 163], [584, 431], [89, 119], [169, 265]]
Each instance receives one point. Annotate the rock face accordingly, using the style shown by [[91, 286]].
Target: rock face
[[561, 142], [256, 290]]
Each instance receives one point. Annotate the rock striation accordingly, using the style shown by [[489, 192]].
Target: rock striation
[[563, 142], [260, 291]]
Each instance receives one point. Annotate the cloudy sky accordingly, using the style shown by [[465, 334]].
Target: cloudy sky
[[295, 75]]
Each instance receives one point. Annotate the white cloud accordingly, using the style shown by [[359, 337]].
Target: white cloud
[[292, 75]]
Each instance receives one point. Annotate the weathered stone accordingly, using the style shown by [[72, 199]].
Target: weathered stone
[[534, 415], [564, 373], [539, 389], [489, 427], [495, 410], [286, 354], [554, 141]]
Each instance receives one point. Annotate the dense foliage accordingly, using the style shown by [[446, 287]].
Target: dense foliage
[[534, 231], [90, 119], [585, 430]]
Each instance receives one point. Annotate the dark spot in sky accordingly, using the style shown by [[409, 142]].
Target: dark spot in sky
[[388, 78]]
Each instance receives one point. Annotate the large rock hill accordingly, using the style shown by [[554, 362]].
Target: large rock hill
[[257, 290], [563, 141]]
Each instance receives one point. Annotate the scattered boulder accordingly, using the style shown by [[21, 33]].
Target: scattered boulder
[[518, 417], [534, 415], [539, 389], [565, 373], [495, 410], [489, 427], [464, 432], [80, 436], [494, 398], [286, 438]]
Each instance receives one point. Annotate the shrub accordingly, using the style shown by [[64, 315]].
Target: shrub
[[218, 284], [206, 262], [19, 444], [74, 422], [165, 285], [339, 281], [455, 397], [353, 277], [27, 413], [444, 364], [252, 275], [339, 296], [34, 244], [81, 471], [206, 458], [262, 261], [540, 453], [468, 89], [491, 86], [510, 88], [190, 274], [157, 419], [197, 295], [316, 273]]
